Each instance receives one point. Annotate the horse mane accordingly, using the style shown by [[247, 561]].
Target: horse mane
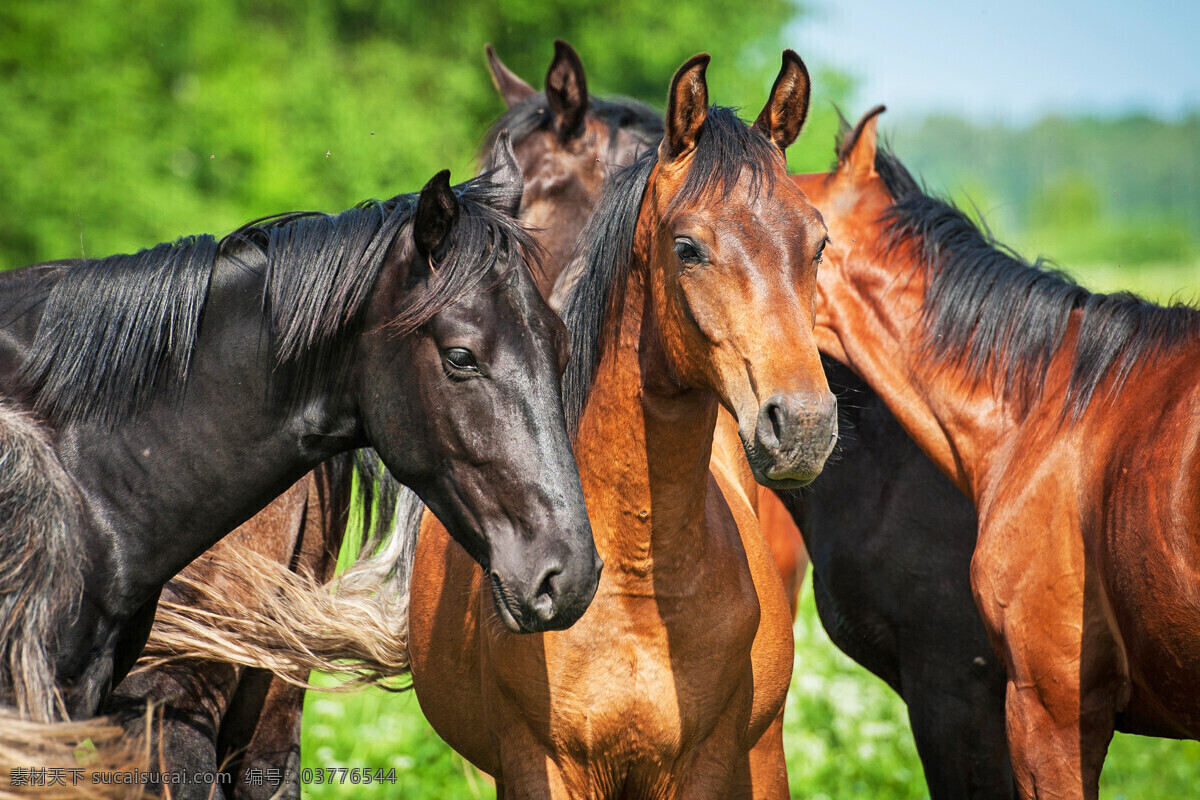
[[118, 331], [114, 329], [600, 267], [619, 113], [1006, 317]]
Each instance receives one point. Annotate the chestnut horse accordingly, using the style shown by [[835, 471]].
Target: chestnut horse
[[1070, 419], [673, 684]]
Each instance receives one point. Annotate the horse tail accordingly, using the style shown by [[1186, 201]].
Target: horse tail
[[40, 575], [390, 565], [40, 583], [355, 627], [54, 761]]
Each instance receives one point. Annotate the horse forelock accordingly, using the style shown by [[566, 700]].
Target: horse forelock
[[727, 149]]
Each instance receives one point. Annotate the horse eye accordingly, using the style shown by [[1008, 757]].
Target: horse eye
[[461, 359], [820, 256], [687, 252]]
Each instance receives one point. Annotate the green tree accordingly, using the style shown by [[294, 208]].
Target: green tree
[[128, 124]]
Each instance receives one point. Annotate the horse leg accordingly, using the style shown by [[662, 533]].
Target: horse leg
[[762, 773], [1046, 614], [265, 715], [192, 697], [1058, 743], [527, 772], [956, 712], [263, 723]]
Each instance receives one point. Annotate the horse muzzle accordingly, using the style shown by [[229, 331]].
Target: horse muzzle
[[793, 436]]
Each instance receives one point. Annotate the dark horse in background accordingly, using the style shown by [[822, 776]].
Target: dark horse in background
[[186, 386]]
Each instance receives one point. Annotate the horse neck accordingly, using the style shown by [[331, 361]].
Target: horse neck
[[643, 450], [201, 466], [870, 318]]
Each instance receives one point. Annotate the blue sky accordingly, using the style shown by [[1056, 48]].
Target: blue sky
[[1012, 60]]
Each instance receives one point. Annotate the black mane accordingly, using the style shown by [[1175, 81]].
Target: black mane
[[726, 146], [118, 331], [1007, 317], [619, 113]]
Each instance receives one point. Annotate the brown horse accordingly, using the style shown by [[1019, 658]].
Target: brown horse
[[673, 683], [1070, 419], [567, 143]]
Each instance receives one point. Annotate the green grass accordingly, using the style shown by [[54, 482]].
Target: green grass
[[846, 734]]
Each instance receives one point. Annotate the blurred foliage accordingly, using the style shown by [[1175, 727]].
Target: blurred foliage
[[1089, 191], [128, 124]]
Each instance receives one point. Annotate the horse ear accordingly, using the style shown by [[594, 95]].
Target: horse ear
[[510, 87], [687, 108], [566, 90], [856, 156], [436, 214], [505, 176], [786, 109]]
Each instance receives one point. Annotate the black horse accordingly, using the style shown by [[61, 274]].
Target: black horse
[[186, 386], [891, 539]]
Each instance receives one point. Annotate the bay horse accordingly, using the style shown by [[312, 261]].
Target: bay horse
[[1069, 419], [673, 684], [567, 142], [236, 366]]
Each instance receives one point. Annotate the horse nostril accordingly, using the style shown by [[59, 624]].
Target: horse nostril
[[775, 414], [771, 424], [544, 599]]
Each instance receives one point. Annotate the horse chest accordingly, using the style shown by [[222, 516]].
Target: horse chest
[[656, 680]]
